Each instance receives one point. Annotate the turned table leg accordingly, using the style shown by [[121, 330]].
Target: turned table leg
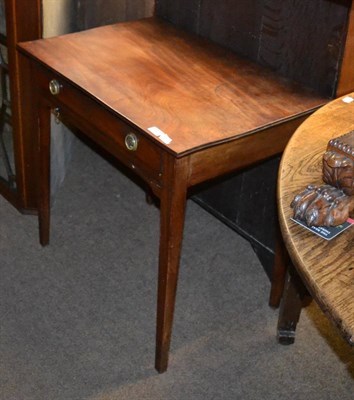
[[173, 204], [290, 307], [281, 261]]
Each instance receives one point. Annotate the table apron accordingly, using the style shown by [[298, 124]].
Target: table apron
[[242, 152], [105, 128]]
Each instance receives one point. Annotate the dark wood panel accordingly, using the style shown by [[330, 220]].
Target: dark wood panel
[[246, 202], [303, 40], [300, 40], [234, 24], [183, 13], [100, 12], [136, 9], [92, 13]]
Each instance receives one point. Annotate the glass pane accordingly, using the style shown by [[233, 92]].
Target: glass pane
[[2, 17], [7, 164]]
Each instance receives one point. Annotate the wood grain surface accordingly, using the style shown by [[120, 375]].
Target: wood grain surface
[[327, 267], [198, 93]]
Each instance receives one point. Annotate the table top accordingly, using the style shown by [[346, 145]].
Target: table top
[[154, 75], [327, 267]]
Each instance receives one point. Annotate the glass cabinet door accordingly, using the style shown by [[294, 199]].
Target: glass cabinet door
[[7, 163]]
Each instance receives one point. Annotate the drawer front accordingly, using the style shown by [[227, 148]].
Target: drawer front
[[102, 125]]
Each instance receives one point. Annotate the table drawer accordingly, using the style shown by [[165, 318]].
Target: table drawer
[[123, 140]]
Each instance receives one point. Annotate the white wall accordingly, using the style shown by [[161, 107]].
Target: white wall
[[2, 17], [58, 19]]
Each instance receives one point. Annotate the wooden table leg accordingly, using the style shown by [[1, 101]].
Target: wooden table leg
[[281, 261], [290, 307], [44, 174], [173, 203]]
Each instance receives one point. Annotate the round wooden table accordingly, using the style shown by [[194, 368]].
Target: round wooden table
[[325, 268]]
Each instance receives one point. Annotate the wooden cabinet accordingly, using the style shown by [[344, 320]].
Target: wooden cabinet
[[21, 23]]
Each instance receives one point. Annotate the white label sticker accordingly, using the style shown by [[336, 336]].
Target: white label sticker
[[160, 134], [347, 99]]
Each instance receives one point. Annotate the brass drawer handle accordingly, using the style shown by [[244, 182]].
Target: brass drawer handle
[[54, 87], [131, 141]]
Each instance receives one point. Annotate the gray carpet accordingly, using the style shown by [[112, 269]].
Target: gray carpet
[[78, 317]]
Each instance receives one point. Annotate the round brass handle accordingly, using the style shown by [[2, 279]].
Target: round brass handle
[[131, 141], [54, 87]]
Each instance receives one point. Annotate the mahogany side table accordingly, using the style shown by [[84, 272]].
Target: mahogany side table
[[174, 108]]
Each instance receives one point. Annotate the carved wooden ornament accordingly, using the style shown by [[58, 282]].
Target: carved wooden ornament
[[333, 203]]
